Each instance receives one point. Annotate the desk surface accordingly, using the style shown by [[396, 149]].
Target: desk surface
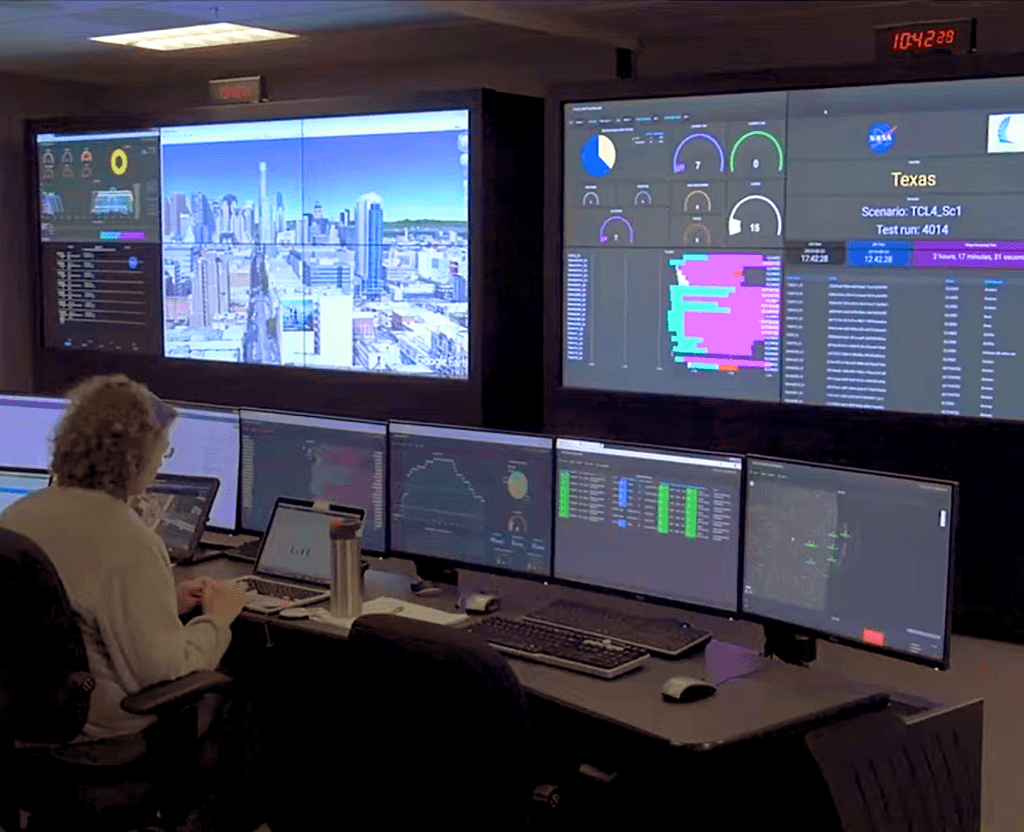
[[756, 696]]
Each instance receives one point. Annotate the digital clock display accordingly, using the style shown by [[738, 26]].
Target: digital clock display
[[951, 37]]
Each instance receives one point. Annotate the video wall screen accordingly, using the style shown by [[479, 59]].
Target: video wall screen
[[339, 243], [855, 247]]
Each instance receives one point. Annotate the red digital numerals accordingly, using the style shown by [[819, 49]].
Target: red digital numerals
[[919, 39]]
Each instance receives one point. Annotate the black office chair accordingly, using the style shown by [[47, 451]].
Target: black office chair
[[443, 730], [119, 784], [889, 775]]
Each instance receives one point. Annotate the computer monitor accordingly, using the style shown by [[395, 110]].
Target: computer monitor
[[855, 556], [313, 457], [29, 422], [474, 498], [204, 443], [658, 522], [848, 246], [16, 483]]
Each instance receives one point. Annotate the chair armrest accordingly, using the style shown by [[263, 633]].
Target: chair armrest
[[176, 693]]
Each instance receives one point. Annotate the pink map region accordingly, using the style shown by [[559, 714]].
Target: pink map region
[[713, 315]]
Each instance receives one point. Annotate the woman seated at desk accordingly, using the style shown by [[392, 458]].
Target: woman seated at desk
[[116, 571]]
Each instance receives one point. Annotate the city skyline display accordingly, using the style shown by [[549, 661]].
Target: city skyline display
[[332, 243], [339, 243]]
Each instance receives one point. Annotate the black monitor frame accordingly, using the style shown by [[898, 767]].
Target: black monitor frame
[[672, 603], [564, 405], [433, 568], [387, 527], [504, 234], [784, 631]]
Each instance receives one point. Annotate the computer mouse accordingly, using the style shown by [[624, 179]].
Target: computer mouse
[[481, 602], [686, 689]]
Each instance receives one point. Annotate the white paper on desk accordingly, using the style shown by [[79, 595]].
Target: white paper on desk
[[394, 606]]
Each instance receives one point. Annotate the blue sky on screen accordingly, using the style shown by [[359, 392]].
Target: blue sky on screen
[[417, 175]]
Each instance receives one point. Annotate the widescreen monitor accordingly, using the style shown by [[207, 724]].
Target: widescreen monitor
[[658, 522], [337, 243], [860, 557], [16, 483], [204, 442], [340, 461], [852, 247], [471, 497], [27, 426]]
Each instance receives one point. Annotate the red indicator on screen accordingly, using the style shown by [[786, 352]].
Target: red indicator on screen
[[873, 637]]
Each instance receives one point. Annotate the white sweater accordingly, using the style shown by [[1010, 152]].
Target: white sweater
[[118, 579]]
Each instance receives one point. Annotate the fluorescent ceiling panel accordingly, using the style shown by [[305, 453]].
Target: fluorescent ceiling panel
[[194, 37]]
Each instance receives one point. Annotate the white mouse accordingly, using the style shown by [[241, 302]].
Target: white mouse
[[686, 689]]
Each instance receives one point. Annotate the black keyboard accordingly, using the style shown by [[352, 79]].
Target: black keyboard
[[276, 590], [560, 646], [662, 636]]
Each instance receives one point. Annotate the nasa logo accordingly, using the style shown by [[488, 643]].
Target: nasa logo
[[881, 137]]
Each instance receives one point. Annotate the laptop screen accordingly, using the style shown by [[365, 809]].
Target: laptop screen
[[15, 484], [181, 506], [297, 545]]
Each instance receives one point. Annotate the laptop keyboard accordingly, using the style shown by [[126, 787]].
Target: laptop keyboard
[[276, 590]]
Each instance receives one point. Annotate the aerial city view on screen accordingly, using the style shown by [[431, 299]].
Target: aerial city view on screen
[[338, 242], [333, 243]]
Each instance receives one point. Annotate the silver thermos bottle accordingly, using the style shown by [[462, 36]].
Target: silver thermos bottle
[[346, 574]]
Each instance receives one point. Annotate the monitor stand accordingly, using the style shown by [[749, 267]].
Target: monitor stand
[[790, 646]]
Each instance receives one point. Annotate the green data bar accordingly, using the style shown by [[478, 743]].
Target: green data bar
[[563, 493], [691, 512], [663, 508]]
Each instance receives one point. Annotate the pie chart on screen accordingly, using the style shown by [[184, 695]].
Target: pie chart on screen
[[598, 156]]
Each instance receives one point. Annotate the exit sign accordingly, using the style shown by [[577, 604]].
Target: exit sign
[[237, 90]]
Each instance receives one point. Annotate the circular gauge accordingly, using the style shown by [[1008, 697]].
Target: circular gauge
[[598, 156], [119, 162], [699, 153], [517, 524], [757, 217], [697, 202], [642, 198], [697, 234], [517, 485], [591, 198], [616, 229], [756, 152]]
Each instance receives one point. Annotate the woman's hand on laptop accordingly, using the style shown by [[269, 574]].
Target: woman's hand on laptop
[[190, 593], [223, 599]]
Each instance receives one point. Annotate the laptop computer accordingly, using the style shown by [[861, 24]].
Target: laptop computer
[[293, 567], [16, 483], [176, 508]]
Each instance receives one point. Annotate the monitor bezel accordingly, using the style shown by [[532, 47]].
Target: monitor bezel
[[824, 635], [673, 603], [373, 394], [562, 401], [333, 417], [447, 563]]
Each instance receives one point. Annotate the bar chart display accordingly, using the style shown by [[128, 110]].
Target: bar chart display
[[650, 521]]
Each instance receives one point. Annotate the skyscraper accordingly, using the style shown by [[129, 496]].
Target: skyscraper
[[211, 292], [370, 245], [266, 222]]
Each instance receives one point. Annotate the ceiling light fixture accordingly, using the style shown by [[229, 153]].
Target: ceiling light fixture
[[194, 37]]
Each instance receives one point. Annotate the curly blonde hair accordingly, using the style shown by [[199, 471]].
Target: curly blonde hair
[[109, 435]]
